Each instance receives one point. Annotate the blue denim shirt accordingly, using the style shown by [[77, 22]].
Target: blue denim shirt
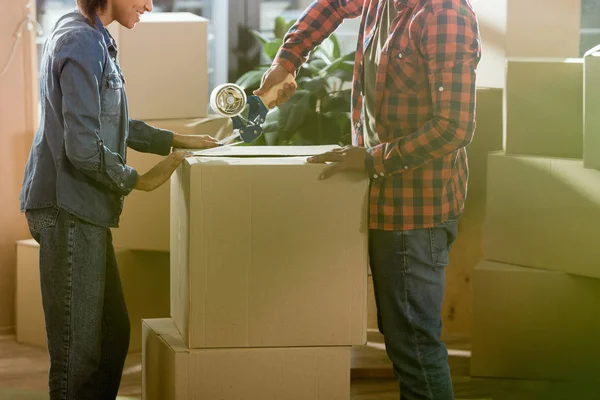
[[78, 158]]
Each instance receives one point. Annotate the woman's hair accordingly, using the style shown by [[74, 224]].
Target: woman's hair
[[89, 8]]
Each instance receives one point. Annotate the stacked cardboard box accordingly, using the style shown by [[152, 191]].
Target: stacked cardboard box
[[534, 294], [144, 277], [268, 279]]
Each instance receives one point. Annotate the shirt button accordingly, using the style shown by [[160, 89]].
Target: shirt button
[[375, 176], [441, 88], [381, 174], [406, 167], [400, 55]]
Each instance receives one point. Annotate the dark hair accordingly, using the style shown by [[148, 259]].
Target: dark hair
[[89, 8]]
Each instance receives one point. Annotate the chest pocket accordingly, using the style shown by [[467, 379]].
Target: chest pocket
[[112, 94], [406, 70]]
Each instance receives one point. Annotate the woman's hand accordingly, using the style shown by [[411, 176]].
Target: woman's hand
[[194, 141], [161, 172]]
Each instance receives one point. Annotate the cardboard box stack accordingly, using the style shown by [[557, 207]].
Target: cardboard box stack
[[534, 293], [268, 279], [167, 87]]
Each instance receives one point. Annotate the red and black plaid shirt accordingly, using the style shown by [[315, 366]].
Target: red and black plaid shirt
[[425, 102]]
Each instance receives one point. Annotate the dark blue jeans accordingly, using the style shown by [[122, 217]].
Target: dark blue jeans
[[87, 324], [408, 270]]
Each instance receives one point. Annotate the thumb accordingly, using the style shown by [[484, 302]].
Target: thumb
[[266, 84]]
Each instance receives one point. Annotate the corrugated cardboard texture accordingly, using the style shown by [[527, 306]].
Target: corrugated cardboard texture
[[171, 371], [591, 145], [265, 255], [144, 223], [543, 213], [491, 14], [164, 60], [532, 30], [534, 324], [544, 108], [145, 281]]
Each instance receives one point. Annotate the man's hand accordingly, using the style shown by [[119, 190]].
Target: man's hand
[[161, 172], [272, 77], [349, 158], [193, 141]]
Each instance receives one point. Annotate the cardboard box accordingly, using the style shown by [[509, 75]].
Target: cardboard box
[[591, 88], [491, 15], [544, 107], [487, 138], [164, 60], [533, 30], [145, 281], [172, 371], [263, 254], [144, 222], [543, 213], [534, 324]]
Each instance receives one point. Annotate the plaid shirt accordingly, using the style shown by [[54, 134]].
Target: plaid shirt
[[425, 102]]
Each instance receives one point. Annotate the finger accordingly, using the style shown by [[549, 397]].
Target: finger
[[330, 171], [209, 139], [326, 157], [210, 144]]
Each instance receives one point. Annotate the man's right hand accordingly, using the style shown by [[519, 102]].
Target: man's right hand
[[272, 77], [161, 172]]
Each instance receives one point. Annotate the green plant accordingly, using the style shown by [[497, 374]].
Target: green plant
[[319, 111]]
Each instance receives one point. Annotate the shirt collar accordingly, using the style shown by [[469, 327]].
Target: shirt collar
[[108, 39]]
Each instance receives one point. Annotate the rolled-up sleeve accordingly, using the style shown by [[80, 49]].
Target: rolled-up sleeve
[[149, 139], [81, 58]]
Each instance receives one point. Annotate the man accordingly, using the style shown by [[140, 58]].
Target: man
[[413, 107]]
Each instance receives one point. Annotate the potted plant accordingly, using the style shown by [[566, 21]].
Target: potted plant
[[319, 111]]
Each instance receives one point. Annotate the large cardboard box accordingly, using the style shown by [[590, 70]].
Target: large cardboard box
[[591, 88], [491, 15], [544, 107], [543, 213], [145, 281], [164, 60], [144, 222], [534, 324], [487, 138], [263, 254], [172, 371], [543, 28]]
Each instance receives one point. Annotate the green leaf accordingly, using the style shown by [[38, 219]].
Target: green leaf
[[336, 52], [293, 112], [259, 36], [289, 25], [317, 86], [327, 47], [251, 80], [281, 27], [272, 47]]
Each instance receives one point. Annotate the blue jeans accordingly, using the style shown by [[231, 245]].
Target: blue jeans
[[408, 270], [87, 324]]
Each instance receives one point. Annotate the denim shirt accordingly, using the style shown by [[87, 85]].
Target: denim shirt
[[78, 158]]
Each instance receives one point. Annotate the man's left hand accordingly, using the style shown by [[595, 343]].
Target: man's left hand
[[349, 158], [194, 141]]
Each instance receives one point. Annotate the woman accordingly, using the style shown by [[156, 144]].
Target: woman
[[75, 182]]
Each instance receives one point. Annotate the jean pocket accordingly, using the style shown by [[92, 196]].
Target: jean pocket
[[442, 238], [41, 218]]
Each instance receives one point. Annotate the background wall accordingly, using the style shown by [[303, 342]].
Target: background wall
[[18, 105]]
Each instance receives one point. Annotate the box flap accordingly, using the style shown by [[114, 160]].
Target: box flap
[[265, 151]]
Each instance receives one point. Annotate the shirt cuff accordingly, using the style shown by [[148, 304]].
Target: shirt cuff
[[125, 178], [288, 60], [162, 142], [374, 163]]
